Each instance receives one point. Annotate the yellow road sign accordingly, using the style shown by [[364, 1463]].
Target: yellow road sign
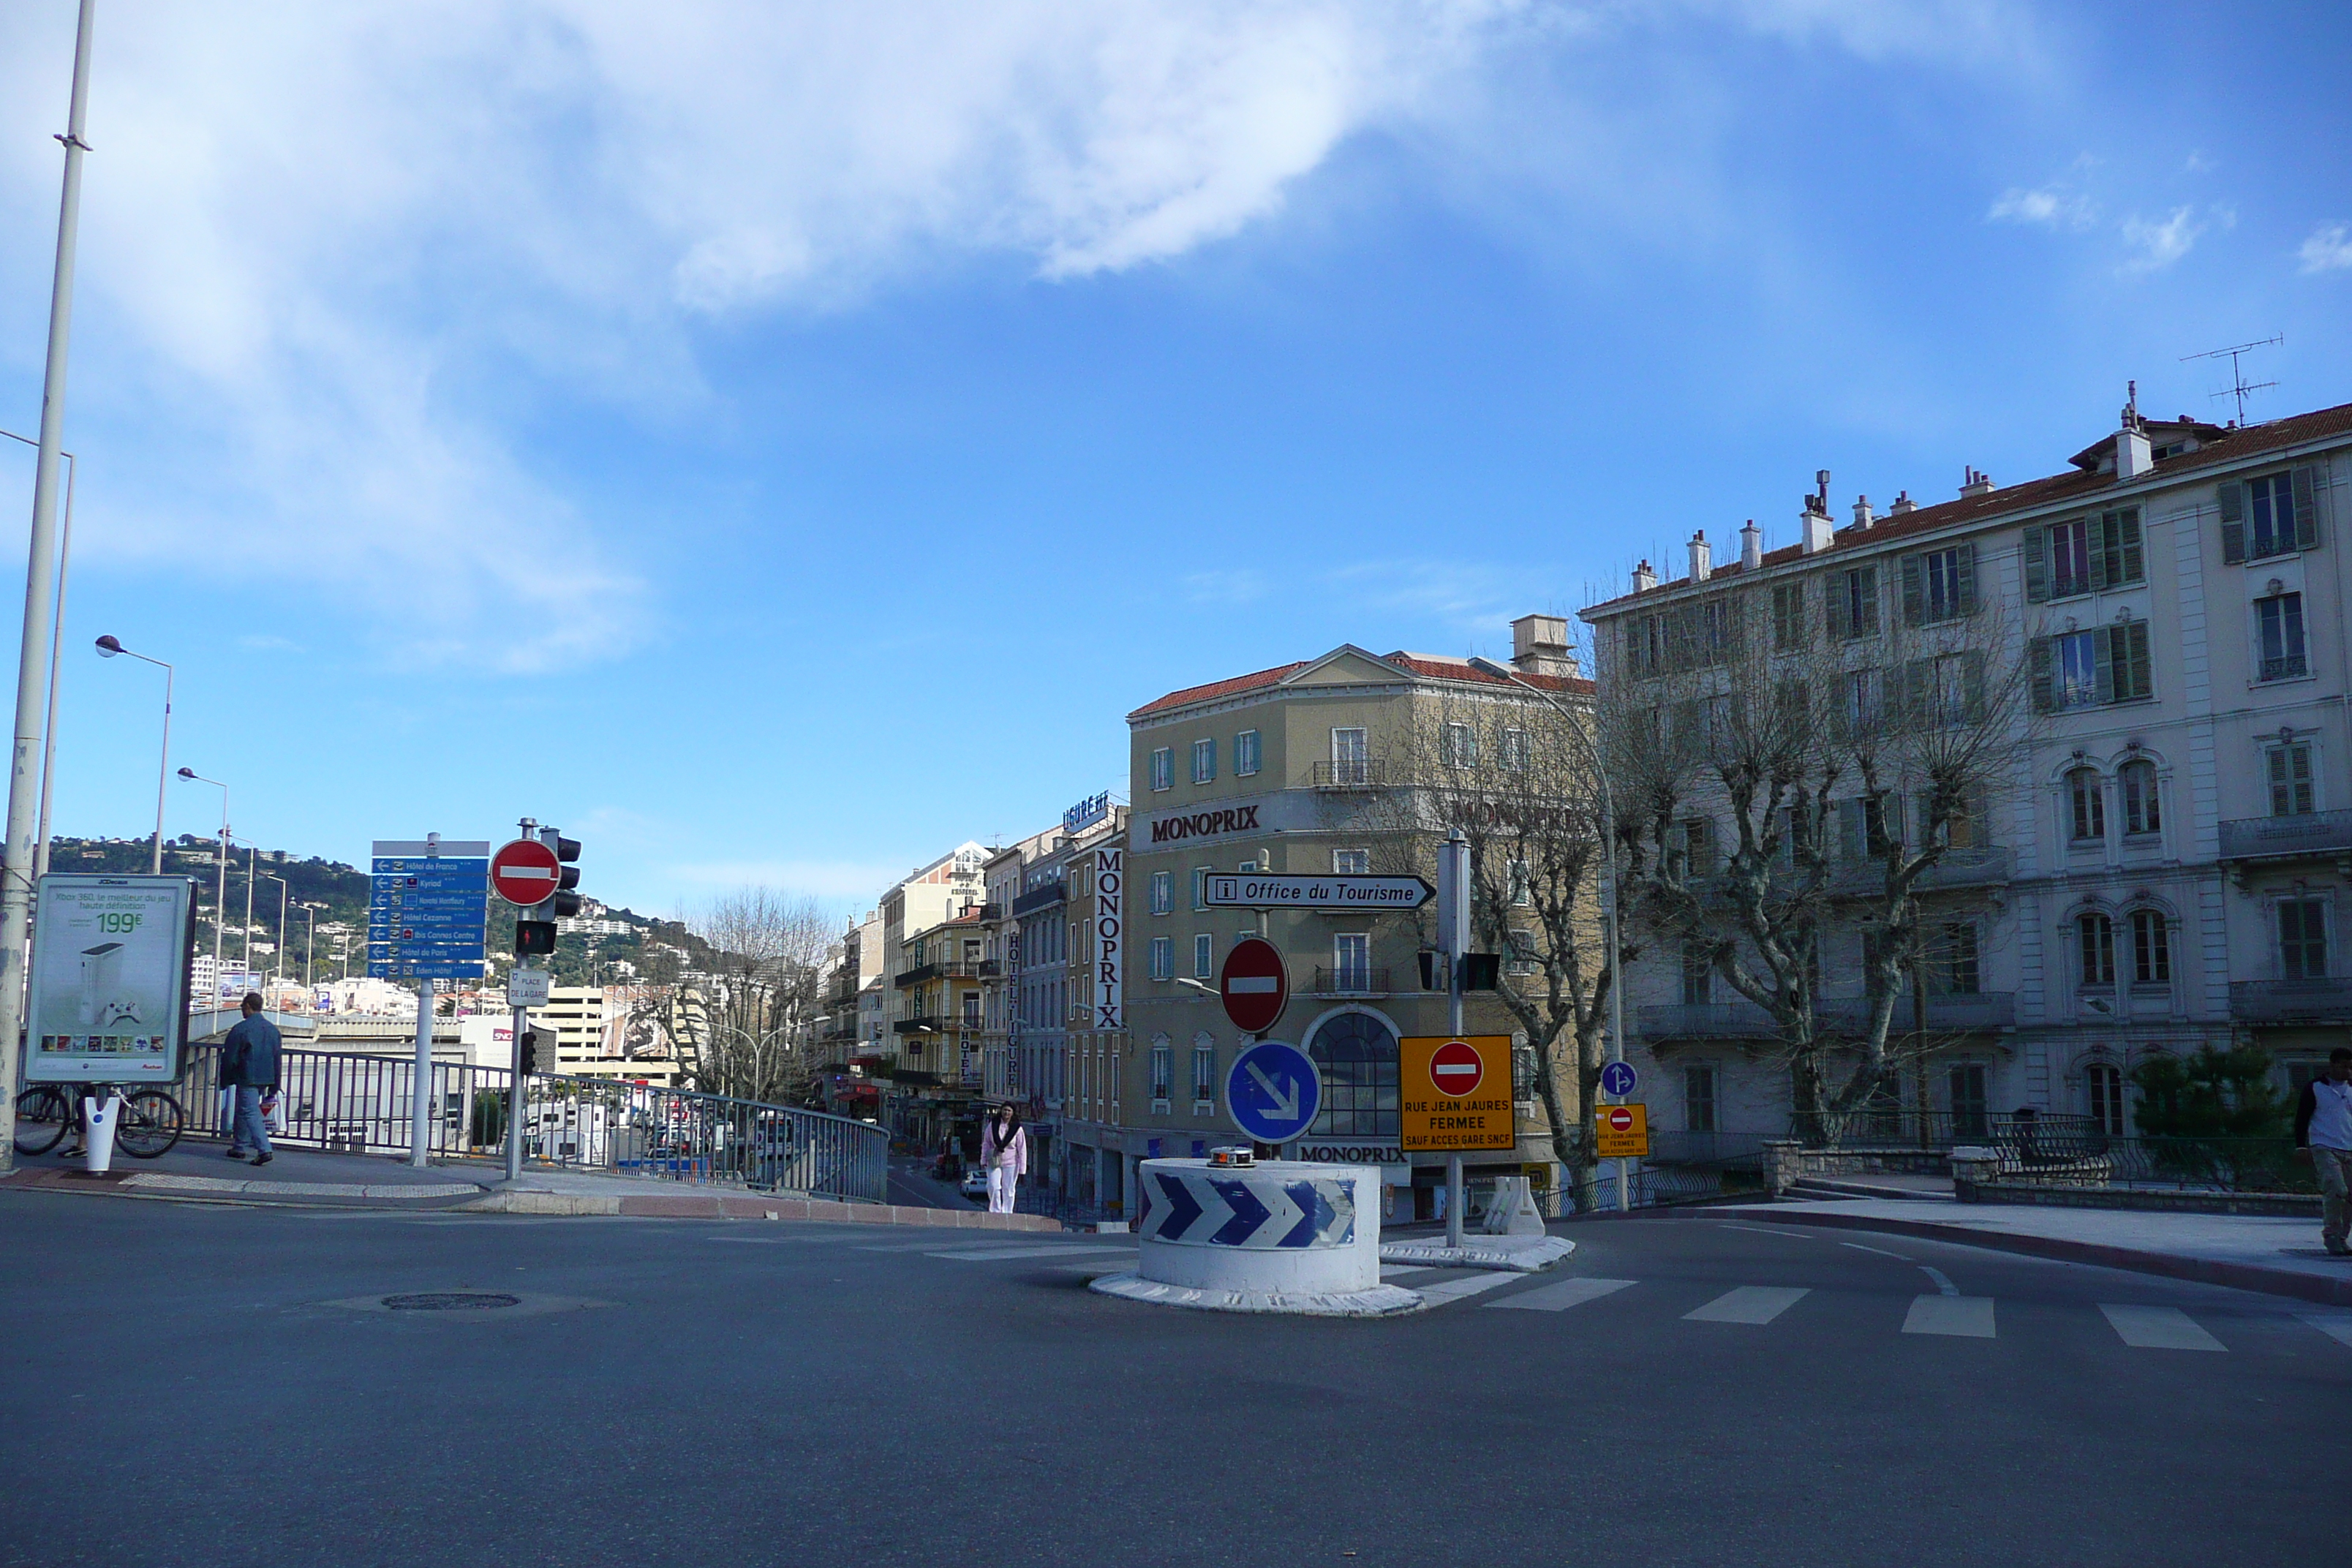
[[1621, 1133], [1455, 1093]]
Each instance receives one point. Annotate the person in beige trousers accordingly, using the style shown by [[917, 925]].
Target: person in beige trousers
[[2323, 1124]]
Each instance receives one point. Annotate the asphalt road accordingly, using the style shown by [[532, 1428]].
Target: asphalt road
[[178, 1388]]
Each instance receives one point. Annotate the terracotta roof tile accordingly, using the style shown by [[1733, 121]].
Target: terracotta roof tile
[[2248, 441], [1435, 669], [1217, 689]]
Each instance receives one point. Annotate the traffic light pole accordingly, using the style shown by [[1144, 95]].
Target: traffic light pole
[[517, 1095], [1453, 940]]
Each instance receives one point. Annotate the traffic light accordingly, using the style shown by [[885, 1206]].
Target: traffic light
[[564, 903], [529, 1059], [534, 937], [1481, 971]]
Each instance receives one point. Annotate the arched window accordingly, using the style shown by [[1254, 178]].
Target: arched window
[[2088, 796], [2151, 948], [1357, 1055], [2141, 811], [2102, 1087], [2094, 934]]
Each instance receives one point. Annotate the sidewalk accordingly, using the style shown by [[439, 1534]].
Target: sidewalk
[[197, 1170], [2281, 1256]]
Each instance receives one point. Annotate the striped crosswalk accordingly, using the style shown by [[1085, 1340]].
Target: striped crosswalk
[[1945, 1314]]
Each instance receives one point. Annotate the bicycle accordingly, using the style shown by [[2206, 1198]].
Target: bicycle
[[151, 1121]]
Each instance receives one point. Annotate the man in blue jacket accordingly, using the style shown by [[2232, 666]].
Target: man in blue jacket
[[249, 1063]]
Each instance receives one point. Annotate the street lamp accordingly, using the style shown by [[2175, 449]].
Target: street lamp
[[110, 647], [309, 941], [220, 894], [1609, 909], [277, 968]]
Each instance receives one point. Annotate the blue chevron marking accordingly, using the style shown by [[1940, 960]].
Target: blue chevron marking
[[1248, 1213], [1183, 1208], [1314, 1213]]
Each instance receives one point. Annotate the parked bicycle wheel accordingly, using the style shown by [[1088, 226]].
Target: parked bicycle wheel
[[43, 1114], [151, 1123]]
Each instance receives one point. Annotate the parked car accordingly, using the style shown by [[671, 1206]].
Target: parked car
[[975, 1183]]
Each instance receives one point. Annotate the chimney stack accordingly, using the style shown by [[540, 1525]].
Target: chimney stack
[[1644, 578], [1751, 545], [1540, 646], [1702, 557], [1902, 504], [2134, 454], [1862, 513], [1975, 482], [1815, 531]]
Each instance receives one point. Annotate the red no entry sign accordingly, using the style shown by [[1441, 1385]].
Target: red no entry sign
[[1254, 984], [524, 871], [1455, 1068], [1618, 1119]]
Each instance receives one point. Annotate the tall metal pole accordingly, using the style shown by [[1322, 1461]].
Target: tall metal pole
[[1454, 938], [56, 633], [41, 582], [422, 1094], [245, 953], [164, 770]]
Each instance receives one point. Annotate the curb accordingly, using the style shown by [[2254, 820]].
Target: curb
[[2170, 1266], [747, 1205], [1533, 1258], [1379, 1301]]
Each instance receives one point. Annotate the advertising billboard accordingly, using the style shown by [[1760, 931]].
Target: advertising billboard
[[109, 992]]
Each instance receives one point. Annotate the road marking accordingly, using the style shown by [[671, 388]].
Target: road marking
[[1880, 1251], [2337, 1326], [1961, 1317], [998, 1254], [1748, 1304], [1943, 1282], [1784, 1235], [2159, 1329], [1560, 1296], [1455, 1289]]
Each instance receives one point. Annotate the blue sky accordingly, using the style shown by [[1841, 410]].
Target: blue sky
[[780, 443]]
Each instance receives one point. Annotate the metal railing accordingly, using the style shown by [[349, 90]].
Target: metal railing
[[362, 1105], [2307, 833], [1351, 981], [2324, 1000], [1357, 773]]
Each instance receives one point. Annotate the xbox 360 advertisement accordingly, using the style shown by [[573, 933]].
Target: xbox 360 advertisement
[[110, 1000]]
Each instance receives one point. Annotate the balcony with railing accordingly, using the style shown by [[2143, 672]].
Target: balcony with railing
[[2320, 1000], [1976, 1012], [1037, 898], [2312, 833], [958, 968], [1987, 866], [1351, 981], [2285, 666], [1350, 772], [1740, 1020]]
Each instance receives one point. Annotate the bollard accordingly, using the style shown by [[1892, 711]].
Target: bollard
[[100, 1137]]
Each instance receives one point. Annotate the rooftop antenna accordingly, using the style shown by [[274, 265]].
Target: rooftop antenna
[[2239, 385]]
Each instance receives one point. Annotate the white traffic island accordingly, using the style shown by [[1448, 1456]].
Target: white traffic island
[[1277, 1235]]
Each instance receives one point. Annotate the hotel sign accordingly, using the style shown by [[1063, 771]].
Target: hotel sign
[[1087, 812]]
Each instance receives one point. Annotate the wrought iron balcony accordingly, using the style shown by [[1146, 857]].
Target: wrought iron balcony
[[960, 969], [1361, 773], [1986, 868], [1351, 983], [1705, 1021], [2285, 666], [2316, 1001], [1970, 1013], [2314, 833], [1037, 898]]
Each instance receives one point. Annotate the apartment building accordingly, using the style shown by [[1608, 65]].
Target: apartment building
[[937, 1072], [2168, 864], [1091, 1165], [1310, 767], [948, 886]]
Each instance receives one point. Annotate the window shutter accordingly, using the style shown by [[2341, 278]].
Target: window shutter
[[2134, 638], [2307, 511], [2132, 558], [1891, 818], [2041, 677], [2103, 663], [2037, 566], [2096, 531], [1918, 678], [1850, 829], [1915, 596], [1972, 693], [2234, 523], [1836, 597], [1967, 554], [1737, 611]]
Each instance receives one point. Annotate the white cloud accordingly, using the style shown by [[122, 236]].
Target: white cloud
[[2159, 244], [2051, 206], [334, 256], [2329, 249]]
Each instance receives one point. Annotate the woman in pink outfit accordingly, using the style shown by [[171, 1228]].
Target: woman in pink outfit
[[1004, 1153]]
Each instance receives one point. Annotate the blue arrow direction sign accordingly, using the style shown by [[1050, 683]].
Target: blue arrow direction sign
[[1273, 1091], [403, 969], [1196, 1208], [1618, 1079], [463, 899]]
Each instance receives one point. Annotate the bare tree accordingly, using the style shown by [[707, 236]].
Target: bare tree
[[1777, 786], [1517, 777], [741, 1023]]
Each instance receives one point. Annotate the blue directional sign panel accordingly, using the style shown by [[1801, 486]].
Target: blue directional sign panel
[[1257, 1210], [426, 909], [1618, 1079], [1274, 1091]]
